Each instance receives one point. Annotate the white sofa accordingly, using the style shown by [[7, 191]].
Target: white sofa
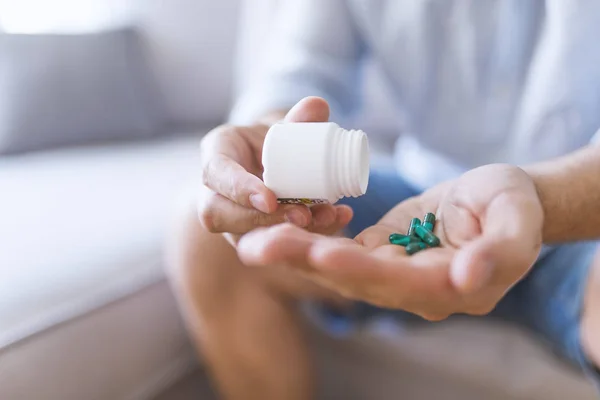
[[85, 310]]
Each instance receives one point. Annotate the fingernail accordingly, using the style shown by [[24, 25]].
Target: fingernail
[[296, 217], [259, 203]]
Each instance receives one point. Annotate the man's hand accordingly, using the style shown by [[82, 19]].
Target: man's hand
[[234, 199], [490, 225]]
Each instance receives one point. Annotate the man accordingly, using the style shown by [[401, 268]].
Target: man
[[503, 101]]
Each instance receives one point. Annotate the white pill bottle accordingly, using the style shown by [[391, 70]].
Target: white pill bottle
[[315, 162]]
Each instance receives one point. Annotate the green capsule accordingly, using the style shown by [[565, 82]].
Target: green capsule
[[415, 248], [429, 221], [402, 240], [427, 236], [413, 223]]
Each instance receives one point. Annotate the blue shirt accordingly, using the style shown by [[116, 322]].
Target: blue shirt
[[479, 81]]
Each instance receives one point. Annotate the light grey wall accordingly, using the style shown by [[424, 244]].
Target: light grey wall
[[195, 47], [190, 44]]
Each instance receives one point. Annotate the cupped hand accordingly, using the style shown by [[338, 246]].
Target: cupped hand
[[489, 223], [234, 199]]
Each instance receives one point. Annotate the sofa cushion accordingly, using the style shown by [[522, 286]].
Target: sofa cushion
[[81, 227], [130, 349], [69, 89], [81, 271]]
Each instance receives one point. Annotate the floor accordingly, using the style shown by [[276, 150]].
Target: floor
[[421, 365]]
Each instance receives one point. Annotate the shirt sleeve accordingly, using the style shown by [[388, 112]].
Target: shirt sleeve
[[314, 50], [596, 138]]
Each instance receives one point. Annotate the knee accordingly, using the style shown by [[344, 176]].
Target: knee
[[184, 234], [591, 315], [199, 263], [207, 274]]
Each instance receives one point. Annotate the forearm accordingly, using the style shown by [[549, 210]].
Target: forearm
[[569, 189]]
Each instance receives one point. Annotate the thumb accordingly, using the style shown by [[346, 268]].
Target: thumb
[[309, 109], [508, 246], [474, 265]]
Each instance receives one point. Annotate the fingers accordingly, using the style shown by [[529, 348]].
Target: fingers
[[281, 244], [384, 276], [488, 262], [229, 179], [473, 266], [219, 214], [286, 243], [375, 236], [229, 156], [309, 109], [328, 219], [347, 257], [420, 271], [508, 246], [323, 215]]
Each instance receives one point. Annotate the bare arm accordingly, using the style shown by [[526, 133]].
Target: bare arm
[[569, 189]]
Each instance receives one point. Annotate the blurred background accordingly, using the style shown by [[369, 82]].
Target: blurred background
[[102, 105]]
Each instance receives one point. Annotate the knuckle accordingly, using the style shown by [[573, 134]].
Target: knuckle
[[208, 214], [261, 219], [227, 132], [209, 170], [208, 150], [237, 192], [207, 220], [206, 174], [215, 133]]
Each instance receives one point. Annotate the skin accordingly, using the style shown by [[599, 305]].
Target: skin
[[569, 190], [244, 322], [234, 200], [492, 222]]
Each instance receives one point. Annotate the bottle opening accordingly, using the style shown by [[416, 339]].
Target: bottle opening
[[364, 164]]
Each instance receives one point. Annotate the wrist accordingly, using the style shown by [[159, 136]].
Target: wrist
[[569, 192], [540, 183]]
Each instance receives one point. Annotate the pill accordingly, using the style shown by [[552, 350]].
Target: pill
[[413, 223], [427, 236], [429, 221], [402, 240], [415, 248]]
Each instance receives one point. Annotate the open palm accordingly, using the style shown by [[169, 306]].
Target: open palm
[[489, 222]]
